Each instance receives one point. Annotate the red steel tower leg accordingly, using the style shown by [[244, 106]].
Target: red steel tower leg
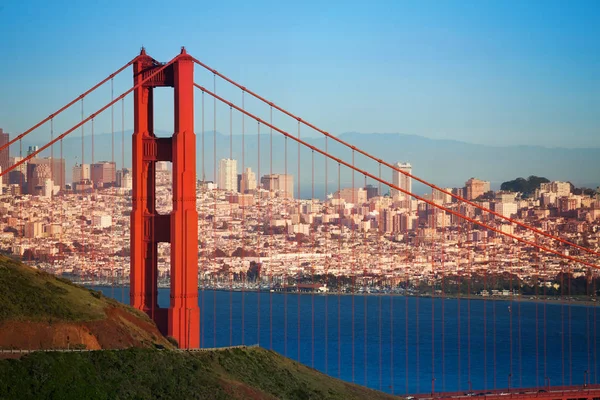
[[143, 248], [148, 228], [184, 314]]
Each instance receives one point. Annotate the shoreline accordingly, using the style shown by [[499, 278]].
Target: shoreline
[[540, 299]]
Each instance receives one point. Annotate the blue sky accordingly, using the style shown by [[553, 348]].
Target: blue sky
[[500, 73]]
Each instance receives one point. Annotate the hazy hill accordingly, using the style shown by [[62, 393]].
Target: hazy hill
[[446, 163]]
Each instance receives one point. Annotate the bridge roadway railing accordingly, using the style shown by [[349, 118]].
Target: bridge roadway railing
[[588, 392], [23, 351]]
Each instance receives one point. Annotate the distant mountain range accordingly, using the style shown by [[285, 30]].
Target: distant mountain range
[[446, 163]]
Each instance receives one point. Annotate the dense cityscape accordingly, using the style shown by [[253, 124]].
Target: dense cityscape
[[255, 232]]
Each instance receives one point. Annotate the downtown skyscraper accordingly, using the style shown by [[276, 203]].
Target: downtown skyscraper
[[402, 181]]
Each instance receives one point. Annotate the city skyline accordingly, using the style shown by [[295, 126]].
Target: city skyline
[[430, 157]]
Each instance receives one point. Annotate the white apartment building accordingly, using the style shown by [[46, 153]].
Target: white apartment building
[[102, 221], [401, 180], [506, 209], [560, 188], [227, 175]]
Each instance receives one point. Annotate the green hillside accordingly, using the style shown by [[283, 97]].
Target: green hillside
[[33, 295], [248, 373], [41, 311]]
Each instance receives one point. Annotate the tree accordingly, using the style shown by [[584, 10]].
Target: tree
[[28, 255], [526, 186], [253, 273]]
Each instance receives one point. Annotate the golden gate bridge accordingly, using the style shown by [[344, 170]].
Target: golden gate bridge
[[182, 230]]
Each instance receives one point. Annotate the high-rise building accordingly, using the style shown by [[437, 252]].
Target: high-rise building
[[34, 230], [248, 181], [560, 188], [124, 178], [103, 173], [460, 192], [281, 183], [475, 188], [402, 181], [32, 149], [239, 183], [4, 155], [23, 167], [40, 169], [352, 195], [37, 175], [441, 197], [17, 176], [372, 191], [81, 172], [228, 174], [505, 197]]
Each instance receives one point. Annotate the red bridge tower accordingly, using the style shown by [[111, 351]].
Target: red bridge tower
[[180, 228]]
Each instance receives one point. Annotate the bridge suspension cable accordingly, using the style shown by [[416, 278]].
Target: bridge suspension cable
[[89, 118], [368, 155], [68, 105], [430, 202]]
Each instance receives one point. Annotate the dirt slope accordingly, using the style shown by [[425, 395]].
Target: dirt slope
[[40, 311]]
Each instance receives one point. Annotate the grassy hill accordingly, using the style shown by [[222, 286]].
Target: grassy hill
[[40, 311], [251, 373]]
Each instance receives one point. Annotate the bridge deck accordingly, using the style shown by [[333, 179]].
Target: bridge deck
[[588, 392]]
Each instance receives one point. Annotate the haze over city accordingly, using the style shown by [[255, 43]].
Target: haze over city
[[493, 73]]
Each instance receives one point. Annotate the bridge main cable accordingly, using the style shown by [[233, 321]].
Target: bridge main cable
[[431, 185], [90, 117], [431, 203], [75, 100]]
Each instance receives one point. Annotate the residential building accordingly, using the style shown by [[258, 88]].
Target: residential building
[[248, 181], [34, 230], [54, 168], [102, 221], [372, 191], [402, 181], [475, 188], [284, 184], [352, 195], [560, 188], [81, 172], [227, 175], [506, 209], [103, 173], [124, 178]]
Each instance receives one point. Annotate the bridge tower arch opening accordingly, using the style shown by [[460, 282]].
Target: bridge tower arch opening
[[181, 320]]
